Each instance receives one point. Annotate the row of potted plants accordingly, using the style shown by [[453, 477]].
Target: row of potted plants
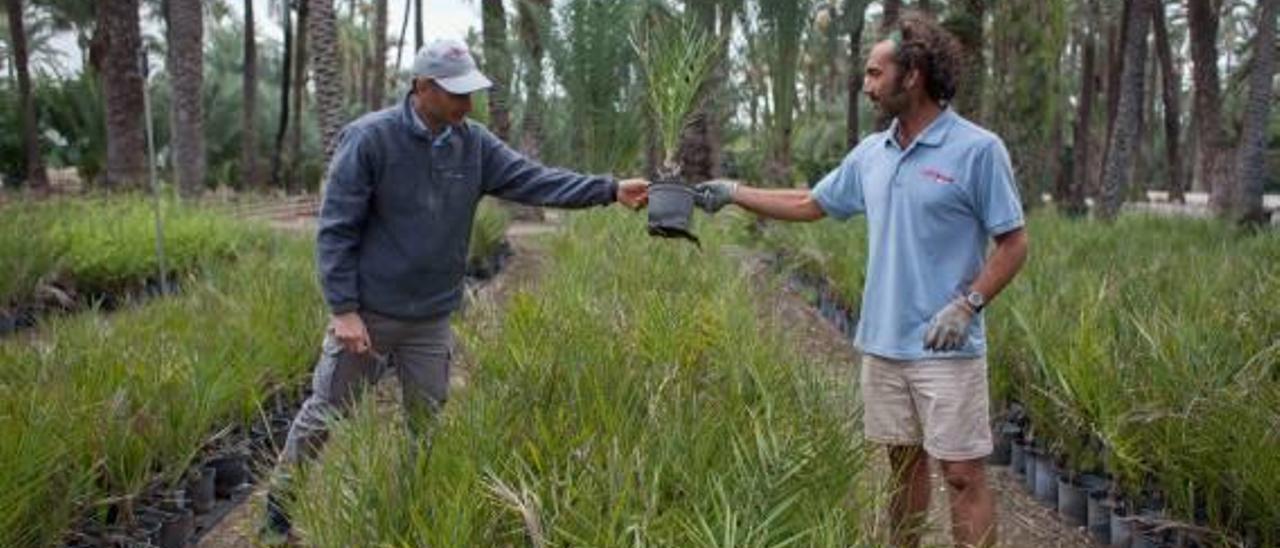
[[69, 254], [124, 426], [1146, 351]]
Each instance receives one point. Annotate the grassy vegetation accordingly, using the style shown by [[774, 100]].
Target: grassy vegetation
[[1148, 349], [635, 398], [107, 244], [96, 406], [1153, 347]]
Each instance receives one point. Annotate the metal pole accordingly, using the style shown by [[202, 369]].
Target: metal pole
[[151, 164]]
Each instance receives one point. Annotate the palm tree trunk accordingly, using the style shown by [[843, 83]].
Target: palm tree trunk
[[122, 82], [1124, 133], [534, 16], [1251, 160], [185, 58], [787, 22], [34, 163], [855, 12], [404, 27], [1072, 201], [1169, 77], [892, 8], [1213, 169], [497, 66], [286, 75], [966, 25], [417, 25], [323, 31], [249, 84], [378, 93], [299, 93]]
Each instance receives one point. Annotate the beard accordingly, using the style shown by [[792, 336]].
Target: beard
[[890, 104]]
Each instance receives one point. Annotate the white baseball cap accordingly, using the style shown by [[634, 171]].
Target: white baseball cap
[[448, 61]]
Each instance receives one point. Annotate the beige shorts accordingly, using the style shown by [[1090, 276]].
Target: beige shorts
[[940, 404]]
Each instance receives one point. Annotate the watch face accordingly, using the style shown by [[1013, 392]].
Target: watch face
[[975, 299]]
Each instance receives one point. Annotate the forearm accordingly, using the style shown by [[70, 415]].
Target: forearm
[[1005, 262], [791, 204]]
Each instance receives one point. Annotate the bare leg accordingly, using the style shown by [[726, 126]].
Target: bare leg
[[910, 503], [973, 508]]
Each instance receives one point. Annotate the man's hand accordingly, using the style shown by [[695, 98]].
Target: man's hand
[[949, 327], [349, 329], [713, 195], [633, 193]]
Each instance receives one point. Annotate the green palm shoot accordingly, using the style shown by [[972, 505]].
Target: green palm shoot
[[677, 58]]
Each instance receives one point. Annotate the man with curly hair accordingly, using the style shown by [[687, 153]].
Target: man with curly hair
[[935, 189]]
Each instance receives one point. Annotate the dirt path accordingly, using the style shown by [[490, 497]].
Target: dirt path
[[1022, 522]]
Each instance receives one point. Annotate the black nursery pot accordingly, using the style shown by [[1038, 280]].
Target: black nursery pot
[[671, 210], [201, 489]]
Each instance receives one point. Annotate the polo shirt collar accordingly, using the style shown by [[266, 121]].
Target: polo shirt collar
[[933, 135]]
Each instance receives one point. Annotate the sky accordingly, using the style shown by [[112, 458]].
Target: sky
[[443, 19]]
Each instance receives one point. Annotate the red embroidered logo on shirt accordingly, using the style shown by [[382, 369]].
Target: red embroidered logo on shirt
[[938, 176]]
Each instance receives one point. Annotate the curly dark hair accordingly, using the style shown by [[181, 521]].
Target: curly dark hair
[[921, 43]]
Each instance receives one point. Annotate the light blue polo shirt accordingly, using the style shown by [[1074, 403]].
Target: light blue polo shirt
[[931, 211]]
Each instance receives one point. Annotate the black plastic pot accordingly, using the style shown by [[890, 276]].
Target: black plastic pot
[[671, 210], [1032, 459], [1002, 452], [1098, 516], [200, 489], [174, 530], [230, 472], [1018, 458], [1121, 527], [1046, 480], [1073, 505]]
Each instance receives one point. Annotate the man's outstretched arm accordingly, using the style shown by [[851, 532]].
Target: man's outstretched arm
[[789, 204]]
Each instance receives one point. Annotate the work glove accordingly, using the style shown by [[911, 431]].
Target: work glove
[[949, 327], [713, 195]]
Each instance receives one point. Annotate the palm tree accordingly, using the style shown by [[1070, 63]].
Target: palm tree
[[249, 133], [1253, 144], [417, 26], [533, 25], [120, 44], [322, 29], [784, 21], [378, 86], [286, 74], [855, 12], [1124, 130], [36, 177], [185, 29], [497, 66], [966, 24], [892, 8], [699, 146], [1169, 78], [1071, 199], [299, 91], [1213, 169]]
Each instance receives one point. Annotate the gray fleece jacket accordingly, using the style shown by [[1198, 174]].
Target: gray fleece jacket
[[395, 220]]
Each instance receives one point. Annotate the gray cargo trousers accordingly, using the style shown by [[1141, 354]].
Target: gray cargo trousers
[[420, 351]]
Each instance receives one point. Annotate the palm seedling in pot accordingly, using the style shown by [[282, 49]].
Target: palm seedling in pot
[[677, 58]]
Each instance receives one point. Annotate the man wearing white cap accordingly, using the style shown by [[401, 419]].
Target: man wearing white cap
[[399, 201]]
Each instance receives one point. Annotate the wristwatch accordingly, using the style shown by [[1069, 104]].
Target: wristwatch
[[976, 301]]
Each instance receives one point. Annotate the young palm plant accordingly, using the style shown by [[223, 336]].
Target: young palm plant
[[676, 58]]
